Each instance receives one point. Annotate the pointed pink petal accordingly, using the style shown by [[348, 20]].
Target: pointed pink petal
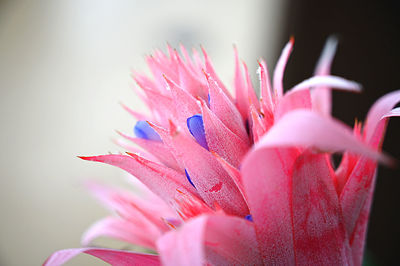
[[191, 83], [157, 72], [257, 126], [157, 149], [225, 110], [134, 149], [144, 82], [381, 107], [188, 60], [392, 113], [143, 234], [242, 102], [251, 94], [328, 81], [322, 98], [292, 100], [198, 62], [213, 239], [306, 128], [355, 193], [161, 105], [210, 70], [114, 257], [325, 61], [213, 183], [319, 236], [280, 68], [137, 115], [360, 232], [184, 104], [165, 182], [266, 98], [221, 140]]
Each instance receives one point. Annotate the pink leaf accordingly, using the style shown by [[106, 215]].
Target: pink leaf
[[251, 94], [256, 124], [266, 98], [221, 140], [163, 181], [210, 70], [322, 98], [225, 110], [319, 236], [381, 107], [114, 257], [280, 68], [308, 129], [328, 81], [266, 175], [242, 102], [157, 149]]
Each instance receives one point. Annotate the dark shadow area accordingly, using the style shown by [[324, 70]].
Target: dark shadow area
[[369, 53]]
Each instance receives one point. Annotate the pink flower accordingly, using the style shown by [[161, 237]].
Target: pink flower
[[241, 180]]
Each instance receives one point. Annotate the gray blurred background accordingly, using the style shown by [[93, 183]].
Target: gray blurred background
[[65, 66]]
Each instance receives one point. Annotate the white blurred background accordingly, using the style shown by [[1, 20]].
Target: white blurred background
[[64, 66]]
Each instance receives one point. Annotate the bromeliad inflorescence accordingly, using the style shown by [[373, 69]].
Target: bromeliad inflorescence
[[241, 179]]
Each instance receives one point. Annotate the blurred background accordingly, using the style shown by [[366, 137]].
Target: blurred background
[[65, 66]]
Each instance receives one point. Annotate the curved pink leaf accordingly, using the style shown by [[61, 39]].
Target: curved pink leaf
[[112, 256], [328, 81], [308, 129], [360, 232], [266, 176], [380, 108], [319, 235], [280, 68], [322, 98]]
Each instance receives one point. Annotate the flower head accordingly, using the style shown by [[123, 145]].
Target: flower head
[[241, 179]]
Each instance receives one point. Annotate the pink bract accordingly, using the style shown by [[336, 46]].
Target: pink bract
[[241, 180]]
